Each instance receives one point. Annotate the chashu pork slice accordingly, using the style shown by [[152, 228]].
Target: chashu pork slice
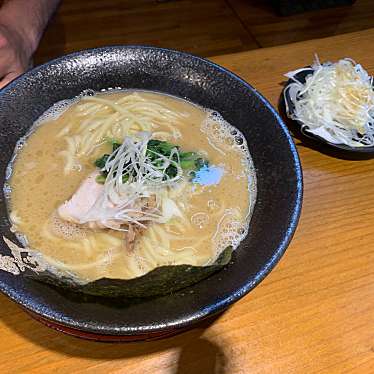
[[78, 206]]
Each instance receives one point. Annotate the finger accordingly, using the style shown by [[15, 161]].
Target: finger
[[4, 69], [8, 78]]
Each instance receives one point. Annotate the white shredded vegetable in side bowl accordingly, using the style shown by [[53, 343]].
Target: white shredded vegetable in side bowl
[[335, 102]]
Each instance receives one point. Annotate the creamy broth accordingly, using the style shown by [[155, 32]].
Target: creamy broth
[[60, 152]]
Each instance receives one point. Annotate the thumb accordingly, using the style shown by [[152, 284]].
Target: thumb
[[9, 77]]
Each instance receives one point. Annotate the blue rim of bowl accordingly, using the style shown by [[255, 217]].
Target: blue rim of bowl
[[224, 303]]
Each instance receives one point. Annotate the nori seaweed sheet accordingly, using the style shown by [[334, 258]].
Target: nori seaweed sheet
[[160, 281]]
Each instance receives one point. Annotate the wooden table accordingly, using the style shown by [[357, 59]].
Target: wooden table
[[313, 314]]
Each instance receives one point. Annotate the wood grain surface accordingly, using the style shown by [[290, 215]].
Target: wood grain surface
[[313, 314], [269, 29], [204, 27]]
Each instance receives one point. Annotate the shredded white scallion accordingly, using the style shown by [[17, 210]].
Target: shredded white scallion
[[336, 102], [123, 202]]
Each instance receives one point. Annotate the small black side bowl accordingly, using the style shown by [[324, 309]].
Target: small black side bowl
[[275, 215], [363, 152]]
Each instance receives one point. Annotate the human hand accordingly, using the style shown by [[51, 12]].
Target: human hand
[[15, 53], [22, 23]]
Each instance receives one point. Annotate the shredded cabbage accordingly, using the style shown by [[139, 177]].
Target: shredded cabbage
[[336, 102]]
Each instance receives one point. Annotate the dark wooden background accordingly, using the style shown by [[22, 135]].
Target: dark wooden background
[[203, 27]]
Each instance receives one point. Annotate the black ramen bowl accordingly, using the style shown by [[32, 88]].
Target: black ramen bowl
[[275, 215], [355, 152]]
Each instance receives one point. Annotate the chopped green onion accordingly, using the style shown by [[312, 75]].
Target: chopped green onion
[[161, 147], [188, 155], [187, 164], [100, 162], [115, 145], [100, 179]]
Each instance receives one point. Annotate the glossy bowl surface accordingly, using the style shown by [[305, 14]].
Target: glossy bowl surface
[[279, 177]]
